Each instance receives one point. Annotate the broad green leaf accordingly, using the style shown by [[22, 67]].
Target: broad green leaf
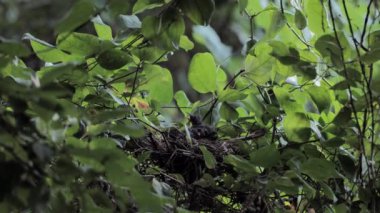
[[329, 192], [183, 102], [159, 85], [373, 39], [371, 56], [286, 55], [348, 165], [199, 11], [319, 169], [327, 46], [50, 53], [131, 21], [266, 157], [306, 70], [13, 48], [286, 100], [228, 112], [149, 54], [129, 128], [113, 59], [252, 7], [284, 184], [81, 44], [375, 85], [139, 188], [334, 142], [320, 97], [240, 164], [165, 31], [208, 157], [297, 127], [79, 14], [277, 22], [143, 5], [107, 115], [259, 66], [343, 116], [242, 5], [202, 73], [341, 208], [316, 16], [117, 7], [185, 43], [231, 95], [176, 29], [102, 30], [300, 20]]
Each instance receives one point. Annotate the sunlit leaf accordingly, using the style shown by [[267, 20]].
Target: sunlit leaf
[[202, 73]]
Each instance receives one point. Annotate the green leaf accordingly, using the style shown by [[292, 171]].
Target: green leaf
[[348, 165], [183, 102], [185, 43], [252, 7], [202, 73], [240, 164], [286, 55], [374, 39], [228, 112], [166, 30], [48, 52], [343, 116], [297, 127], [328, 192], [278, 21], [113, 59], [327, 45], [79, 14], [371, 56], [102, 30], [320, 97], [259, 66], [375, 85], [231, 95], [132, 21], [143, 5], [306, 70], [81, 44], [319, 169], [300, 20], [199, 11], [316, 16], [242, 5], [208, 157], [160, 84], [286, 100], [13, 48], [266, 157], [129, 128], [117, 7], [334, 142]]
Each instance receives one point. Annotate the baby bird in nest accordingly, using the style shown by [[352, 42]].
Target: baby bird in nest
[[199, 130]]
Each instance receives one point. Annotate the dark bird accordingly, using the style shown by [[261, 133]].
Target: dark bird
[[199, 130]]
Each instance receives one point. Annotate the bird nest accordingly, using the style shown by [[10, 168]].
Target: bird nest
[[175, 157]]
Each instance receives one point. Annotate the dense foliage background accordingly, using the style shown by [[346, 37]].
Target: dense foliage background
[[189, 106]]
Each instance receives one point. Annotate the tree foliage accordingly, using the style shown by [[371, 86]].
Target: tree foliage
[[288, 124]]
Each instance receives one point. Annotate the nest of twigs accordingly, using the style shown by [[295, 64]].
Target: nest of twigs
[[175, 153]]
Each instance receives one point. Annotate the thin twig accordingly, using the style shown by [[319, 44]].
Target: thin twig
[[224, 88], [366, 22]]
